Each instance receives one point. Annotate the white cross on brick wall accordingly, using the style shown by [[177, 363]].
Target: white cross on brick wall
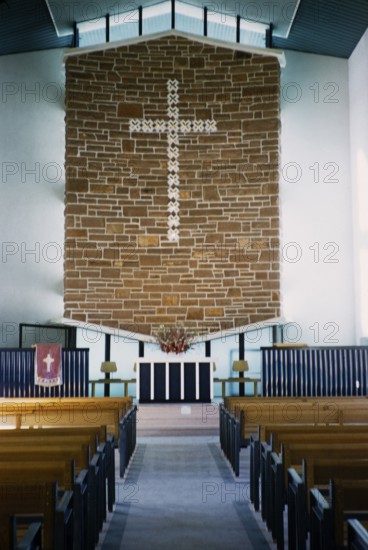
[[173, 127]]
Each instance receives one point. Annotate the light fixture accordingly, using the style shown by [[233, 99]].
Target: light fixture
[[240, 366], [108, 367]]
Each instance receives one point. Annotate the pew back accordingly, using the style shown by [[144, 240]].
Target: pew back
[[255, 412], [328, 515], [28, 498], [316, 473], [64, 412], [273, 433]]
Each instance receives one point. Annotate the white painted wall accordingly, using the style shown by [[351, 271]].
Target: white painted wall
[[358, 86], [31, 190], [318, 288], [317, 264]]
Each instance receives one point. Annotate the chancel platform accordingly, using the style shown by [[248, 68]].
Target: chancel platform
[[174, 379]]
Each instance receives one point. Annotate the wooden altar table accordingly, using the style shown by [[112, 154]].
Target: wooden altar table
[[174, 379]]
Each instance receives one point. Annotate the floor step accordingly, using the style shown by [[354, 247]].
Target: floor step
[[178, 419]]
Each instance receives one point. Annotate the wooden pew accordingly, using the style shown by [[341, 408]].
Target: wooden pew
[[293, 454], [36, 499], [268, 441], [277, 433], [253, 412], [83, 450], [17, 471], [48, 413], [284, 443], [235, 401], [317, 474], [346, 498], [357, 535], [22, 452], [100, 442], [95, 436], [68, 412], [76, 411]]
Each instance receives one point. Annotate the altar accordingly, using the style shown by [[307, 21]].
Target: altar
[[174, 379]]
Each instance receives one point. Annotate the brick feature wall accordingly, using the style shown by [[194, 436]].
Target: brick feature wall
[[120, 269]]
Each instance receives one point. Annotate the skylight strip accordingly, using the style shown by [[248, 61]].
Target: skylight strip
[[122, 18], [88, 26], [163, 8], [188, 10], [253, 26], [155, 19], [218, 18]]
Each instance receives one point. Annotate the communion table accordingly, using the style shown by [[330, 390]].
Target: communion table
[[174, 379]]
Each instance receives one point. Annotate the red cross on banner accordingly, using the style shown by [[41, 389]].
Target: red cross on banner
[[48, 365]]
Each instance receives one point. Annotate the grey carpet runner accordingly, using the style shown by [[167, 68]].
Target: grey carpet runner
[[180, 494]]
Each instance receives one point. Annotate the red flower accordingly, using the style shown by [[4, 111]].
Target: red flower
[[173, 339]]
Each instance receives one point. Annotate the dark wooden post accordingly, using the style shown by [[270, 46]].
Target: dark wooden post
[[241, 357], [107, 358]]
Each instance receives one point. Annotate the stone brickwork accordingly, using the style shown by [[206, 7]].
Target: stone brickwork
[[120, 268]]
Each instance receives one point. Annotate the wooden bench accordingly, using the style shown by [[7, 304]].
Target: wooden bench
[[83, 445], [84, 451], [31, 412], [81, 481], [253, 412], [40, 500], [67, 412], [293, 454], [317, 474], [97, 438], [269, 436], [274, 434], [268, 405], [346, 499], [100, 441]]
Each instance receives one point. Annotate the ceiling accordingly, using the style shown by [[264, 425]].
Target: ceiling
[[326, 27]]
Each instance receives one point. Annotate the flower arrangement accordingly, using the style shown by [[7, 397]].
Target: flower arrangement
[[173, 339]]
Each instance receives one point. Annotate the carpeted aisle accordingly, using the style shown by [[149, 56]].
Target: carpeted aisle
[[180, 494]]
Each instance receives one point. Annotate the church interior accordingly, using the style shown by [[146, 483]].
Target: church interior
[[184, 321]]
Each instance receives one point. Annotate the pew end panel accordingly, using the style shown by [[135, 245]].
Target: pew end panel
[[80, 494], [32, 539], [127, 439], [64, 522], [297, 510], [349, 499], [321, 522], [357, 535], [275, 518], [265, 457], [255, 471]]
